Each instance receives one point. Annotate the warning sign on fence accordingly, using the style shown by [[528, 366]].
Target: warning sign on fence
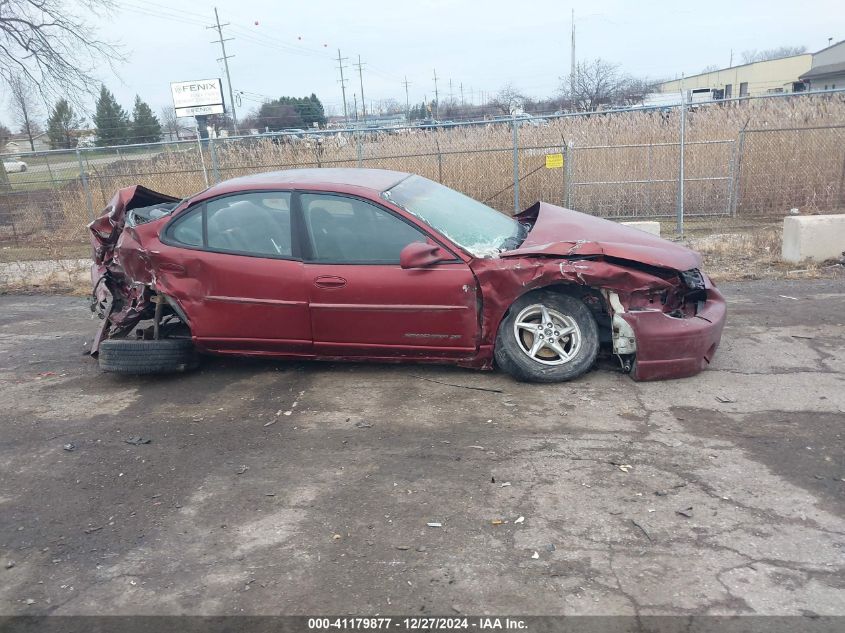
[[554, 161]]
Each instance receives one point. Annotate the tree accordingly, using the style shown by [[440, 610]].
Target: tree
[[595, 83], [53, 47], [63, 126], [751, 56], [5, 135], [111, 120], [24, 106], [170, 123], [145, 126], [508, 100], [287, 112]]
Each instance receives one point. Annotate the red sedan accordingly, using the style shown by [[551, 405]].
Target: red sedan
[[367, 264]]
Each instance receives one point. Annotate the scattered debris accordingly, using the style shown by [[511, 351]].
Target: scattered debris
[[96, 528], [481, 448], [803, 336], [520, 520], [421, 548], [434, 524], [10, 564], [30, 601], [287, 412], [505, 485], [241, 470], [686, 512], [137, 440], [644, 531], [725, 399], [336, 537], [497, 522], [363, 425], [449, 384], [661, 493], [271, 422], [535, 555], [69, 447], [550, 547], [625, 467], [403, 548], [492, 480], [788, 297]]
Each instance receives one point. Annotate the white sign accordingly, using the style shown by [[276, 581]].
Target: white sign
[[200, 97]]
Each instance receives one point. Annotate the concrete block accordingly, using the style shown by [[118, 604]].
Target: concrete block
[[813, 237], [648, 227]]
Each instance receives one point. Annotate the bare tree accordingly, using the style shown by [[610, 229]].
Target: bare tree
[[595, 83], [55, 49], [24, 107], [508, 99], [751, 56], [170, 123]]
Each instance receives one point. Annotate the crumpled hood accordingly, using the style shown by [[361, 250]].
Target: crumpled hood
[[566, 233]]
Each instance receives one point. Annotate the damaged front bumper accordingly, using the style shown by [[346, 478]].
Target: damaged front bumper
[[669, 345]]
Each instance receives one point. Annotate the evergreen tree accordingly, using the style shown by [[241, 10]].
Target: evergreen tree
[[145, 125], [63, 126], [111, 120]]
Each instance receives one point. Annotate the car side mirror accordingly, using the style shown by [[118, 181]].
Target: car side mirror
[[420, 254]]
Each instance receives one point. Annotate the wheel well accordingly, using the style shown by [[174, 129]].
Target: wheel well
[[593, 299]]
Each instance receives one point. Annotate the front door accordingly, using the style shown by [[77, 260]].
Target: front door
[[238, 276], [363, 303]]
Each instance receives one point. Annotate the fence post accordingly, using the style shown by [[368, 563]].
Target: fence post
[[359, 146], [215, 168], [737, 169], [439, 160], [199, 148], [567, 168], [515, 167], [679, 222], [84, 178]]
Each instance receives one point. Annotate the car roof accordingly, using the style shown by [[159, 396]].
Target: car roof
[[375, 179]]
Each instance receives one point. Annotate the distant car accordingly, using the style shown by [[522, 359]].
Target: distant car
[[13, 166], [370, 264]]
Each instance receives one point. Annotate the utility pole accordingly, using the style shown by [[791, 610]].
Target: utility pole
[[355, 96], [462, 93], [731, 64], [572, 66], [361, 79], [451, 94], [222, 41], [436, 95], [407, 101], [340, 67]]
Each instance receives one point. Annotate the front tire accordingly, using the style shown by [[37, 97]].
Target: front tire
[[137, 356], [547, 336]]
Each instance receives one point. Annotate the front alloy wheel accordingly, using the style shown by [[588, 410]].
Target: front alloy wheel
[[547, 336]]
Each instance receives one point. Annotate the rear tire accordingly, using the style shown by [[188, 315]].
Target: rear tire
[[547, 336], [136, 356]]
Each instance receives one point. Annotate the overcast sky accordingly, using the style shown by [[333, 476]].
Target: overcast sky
[[288, 48]]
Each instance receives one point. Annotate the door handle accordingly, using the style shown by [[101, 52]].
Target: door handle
[[170, 267], [329, 281]]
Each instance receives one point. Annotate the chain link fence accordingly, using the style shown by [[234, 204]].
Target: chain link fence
[[741, 167]]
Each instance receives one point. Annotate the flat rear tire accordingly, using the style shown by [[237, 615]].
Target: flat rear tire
[[137, 356]]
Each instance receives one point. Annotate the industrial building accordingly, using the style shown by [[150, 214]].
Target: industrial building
[[748, 80], [827, 71]]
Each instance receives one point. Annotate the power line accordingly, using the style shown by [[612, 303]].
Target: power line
[[222, 41]]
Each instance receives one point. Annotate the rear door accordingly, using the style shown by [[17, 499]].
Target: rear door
[[238, 274], [362, 302]]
